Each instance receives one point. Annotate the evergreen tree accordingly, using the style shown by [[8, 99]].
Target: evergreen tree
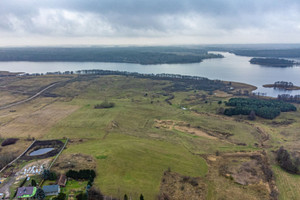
[[252, 116], [40, 194], [33, 182], [141, 197]]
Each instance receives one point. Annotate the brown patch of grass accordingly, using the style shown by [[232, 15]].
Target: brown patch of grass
[[227, 170], [34, 119], [75, 161], [177, 187], [222, 94]]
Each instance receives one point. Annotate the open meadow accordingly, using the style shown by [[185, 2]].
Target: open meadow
[[146, 138]]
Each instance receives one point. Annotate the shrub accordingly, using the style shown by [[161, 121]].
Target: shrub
[[61, 196], [85, 174], [33, 182], [49, 175], [285, 161], [9, 141], [95, 193], [104, 104], [81, 196]]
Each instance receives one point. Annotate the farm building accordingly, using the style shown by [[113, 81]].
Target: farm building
[[62, 180], [26, 192], [51, 190]]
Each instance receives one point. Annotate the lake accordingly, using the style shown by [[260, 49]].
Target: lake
[[229, 68], [40, 151]]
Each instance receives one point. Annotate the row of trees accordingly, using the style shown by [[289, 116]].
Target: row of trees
[[283, 84], [289, 98], [268, 109]]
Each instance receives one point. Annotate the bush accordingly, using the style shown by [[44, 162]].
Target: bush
[[33, 182], [49, 175], [104, 104], [85, 174], [9, 141], [95, 193], [81, 196], [61, 196], [285, 161]]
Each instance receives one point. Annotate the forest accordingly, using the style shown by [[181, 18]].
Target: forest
[[138, 55], [273, 62], [273, 53], [268, 109]]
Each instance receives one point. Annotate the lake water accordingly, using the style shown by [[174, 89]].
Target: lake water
[[40, 151], [230, 68]]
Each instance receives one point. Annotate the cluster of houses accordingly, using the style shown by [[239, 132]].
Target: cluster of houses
[[49, 190]]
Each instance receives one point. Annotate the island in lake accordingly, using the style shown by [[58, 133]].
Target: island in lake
[[273, 62], [282, 85]]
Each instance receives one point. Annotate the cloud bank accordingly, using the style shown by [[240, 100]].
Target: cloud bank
[[58, 22]]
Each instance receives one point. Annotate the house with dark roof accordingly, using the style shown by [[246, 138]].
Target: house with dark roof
[[51, 190], [26, 192], [62, 180]]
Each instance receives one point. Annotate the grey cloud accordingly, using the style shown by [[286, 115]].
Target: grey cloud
[[145, 18]]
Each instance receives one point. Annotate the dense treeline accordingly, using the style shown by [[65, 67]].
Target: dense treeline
[[289, 98], [275, 53], [274, 62], [140, 55], [268, 109], [286, 162]]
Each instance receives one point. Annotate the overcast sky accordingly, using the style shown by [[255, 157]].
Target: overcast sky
[[148, 22]]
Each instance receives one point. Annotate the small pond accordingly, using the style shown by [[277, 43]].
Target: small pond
[[40, 151]]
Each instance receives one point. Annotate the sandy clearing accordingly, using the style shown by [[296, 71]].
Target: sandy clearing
[[183, 127]]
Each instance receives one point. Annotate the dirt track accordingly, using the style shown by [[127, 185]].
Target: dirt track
[[28, 99]]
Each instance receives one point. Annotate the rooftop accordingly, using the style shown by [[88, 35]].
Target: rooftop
[[51, 188], [26, 192]]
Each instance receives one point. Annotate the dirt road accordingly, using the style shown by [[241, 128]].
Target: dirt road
[[26, 100]]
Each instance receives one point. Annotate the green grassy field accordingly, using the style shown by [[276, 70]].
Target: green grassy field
[[288, 184], [131, 152], [134, 153]]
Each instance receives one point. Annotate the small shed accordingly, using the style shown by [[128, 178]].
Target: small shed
[[62, 180], [51, 190], [26, 192]]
